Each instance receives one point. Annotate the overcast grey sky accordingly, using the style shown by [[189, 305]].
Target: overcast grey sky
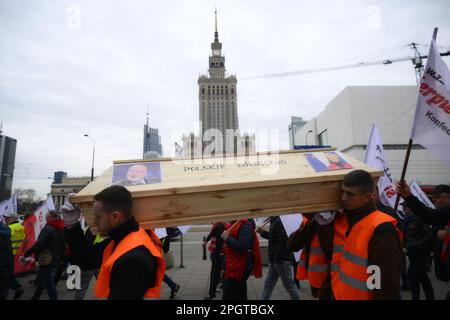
[[74, 67]]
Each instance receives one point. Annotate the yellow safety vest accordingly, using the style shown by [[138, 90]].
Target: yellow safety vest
[[17, 236], [98, 239]]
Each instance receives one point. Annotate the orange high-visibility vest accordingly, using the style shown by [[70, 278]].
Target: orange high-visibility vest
[[316, 270], [302, 271], [351, 284], [318, 261], [340, 228], [111, 254]]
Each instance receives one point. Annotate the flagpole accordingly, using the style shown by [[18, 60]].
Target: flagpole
[[408, 151]]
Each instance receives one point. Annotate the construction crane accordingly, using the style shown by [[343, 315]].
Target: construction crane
[[417, 61]]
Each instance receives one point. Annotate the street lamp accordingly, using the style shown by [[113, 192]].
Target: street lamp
[[93, 153], [306, 137]]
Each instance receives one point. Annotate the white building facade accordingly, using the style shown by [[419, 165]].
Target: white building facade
[[347, 120]]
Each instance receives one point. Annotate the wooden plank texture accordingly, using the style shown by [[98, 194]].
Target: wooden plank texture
[[194, 191]]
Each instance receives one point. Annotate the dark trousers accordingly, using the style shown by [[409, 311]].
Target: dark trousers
[[216, 267], [14, 283], [418, 276], [45, 280], [167, 280], [297, 282], [235, 289], [404, 275], [62, 267], [5, 283]]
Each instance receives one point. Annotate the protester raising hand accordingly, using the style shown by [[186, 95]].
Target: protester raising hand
[[403, 189]]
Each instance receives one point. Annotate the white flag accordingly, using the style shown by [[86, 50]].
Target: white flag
[[417, 191], [291, 222], [375, 157], [161, 232], [8, 206], [260, 221], [431, 126], [50, 203], [184, 229], [41, 214]]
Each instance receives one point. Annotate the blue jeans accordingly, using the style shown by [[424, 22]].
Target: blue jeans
[[283, 270], [45, 280]]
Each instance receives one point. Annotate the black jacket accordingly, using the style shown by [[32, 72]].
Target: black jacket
[[278, 250], [5, 260], [217, 233], [50, 238], [132, 274], [418, 237], [435, 217]]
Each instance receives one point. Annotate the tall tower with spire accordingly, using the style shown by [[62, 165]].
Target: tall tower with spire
[[217, 92], [152, 141], [217, 95]]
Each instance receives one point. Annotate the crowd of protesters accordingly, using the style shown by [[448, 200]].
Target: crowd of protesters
[[337, 249]]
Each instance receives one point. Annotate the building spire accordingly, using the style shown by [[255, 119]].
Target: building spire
[[1, 128], [147, 114], [216, 33]]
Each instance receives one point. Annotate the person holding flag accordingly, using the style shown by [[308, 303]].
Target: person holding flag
[[436, 217]]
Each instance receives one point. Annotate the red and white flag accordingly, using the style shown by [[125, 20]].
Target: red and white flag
[[431, 126], [30, 238], [40, 215], [375, 158]]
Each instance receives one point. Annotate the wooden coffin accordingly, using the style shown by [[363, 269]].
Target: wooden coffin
[[195, 191]]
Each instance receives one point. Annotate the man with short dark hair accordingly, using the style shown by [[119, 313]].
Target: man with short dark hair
[[372, 248], [130, 260]]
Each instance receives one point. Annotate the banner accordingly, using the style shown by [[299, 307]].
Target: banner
[[375, 157], [291, 222], [419, 194], [431, 126], [27, 243]]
